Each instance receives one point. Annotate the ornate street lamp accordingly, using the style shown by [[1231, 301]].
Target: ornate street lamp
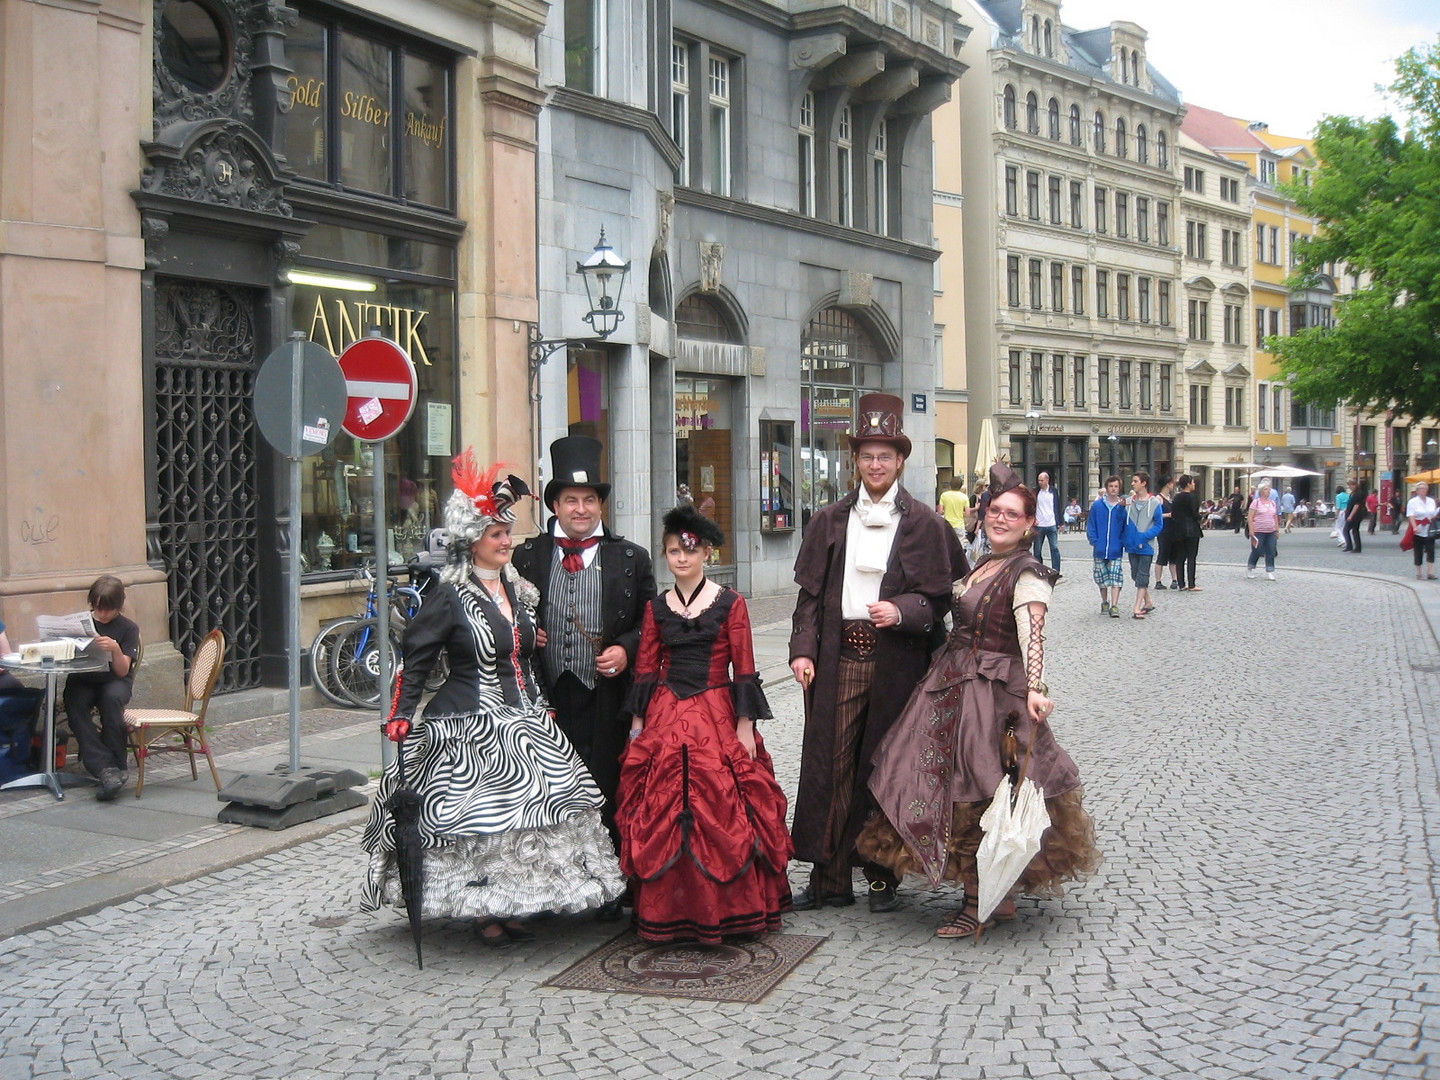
[[604, 274]]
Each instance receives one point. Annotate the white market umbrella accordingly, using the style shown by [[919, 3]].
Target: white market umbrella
[[1282, 472], [987, 449]]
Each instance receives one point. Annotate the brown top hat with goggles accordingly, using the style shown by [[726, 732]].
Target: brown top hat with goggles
[[880, 421]]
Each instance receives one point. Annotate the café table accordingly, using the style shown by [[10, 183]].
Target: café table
[[49, 776]]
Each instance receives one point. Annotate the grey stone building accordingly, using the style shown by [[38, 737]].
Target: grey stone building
[[767, 171]]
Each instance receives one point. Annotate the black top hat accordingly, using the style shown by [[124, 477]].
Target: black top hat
[[881, 421], [575, 462]]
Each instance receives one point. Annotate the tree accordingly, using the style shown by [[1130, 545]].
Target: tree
[[1376, 197]]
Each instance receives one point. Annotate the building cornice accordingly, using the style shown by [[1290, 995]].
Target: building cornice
[[788, 219], [613, 112]]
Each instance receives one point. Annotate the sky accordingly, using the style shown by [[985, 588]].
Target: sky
[[1284, 62]]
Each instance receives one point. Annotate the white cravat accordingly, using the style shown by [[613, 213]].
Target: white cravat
[[869, 536]]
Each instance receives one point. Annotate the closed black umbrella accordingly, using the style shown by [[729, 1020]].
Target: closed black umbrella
[[404, 807]]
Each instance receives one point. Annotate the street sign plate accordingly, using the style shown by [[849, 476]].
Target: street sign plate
[[322, 398], [380, 386]]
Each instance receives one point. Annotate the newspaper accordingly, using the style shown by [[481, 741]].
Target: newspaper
[[55, 627]]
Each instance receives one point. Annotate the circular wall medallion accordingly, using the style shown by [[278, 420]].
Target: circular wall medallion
[[194, 45]]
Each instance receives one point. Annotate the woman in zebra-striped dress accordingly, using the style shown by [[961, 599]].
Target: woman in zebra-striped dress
[[510, 819]]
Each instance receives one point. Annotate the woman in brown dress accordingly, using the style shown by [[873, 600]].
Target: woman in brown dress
[[938, 768]]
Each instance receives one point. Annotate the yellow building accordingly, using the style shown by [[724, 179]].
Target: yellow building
[[952, 396]]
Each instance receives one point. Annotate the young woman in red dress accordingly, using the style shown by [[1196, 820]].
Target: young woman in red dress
[[701, 818]]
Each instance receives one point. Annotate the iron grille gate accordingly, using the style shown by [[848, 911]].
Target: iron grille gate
[[206, 470]]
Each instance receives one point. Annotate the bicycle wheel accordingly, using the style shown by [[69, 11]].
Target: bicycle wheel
[[355, 661], [322, 649]]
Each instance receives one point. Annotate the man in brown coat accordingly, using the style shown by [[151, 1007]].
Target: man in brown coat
[[875, 572]]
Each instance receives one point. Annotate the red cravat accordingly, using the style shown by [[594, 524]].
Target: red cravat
[[574, 560]]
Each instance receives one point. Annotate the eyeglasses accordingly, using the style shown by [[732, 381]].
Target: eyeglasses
[[877, 459], [1008, 515]]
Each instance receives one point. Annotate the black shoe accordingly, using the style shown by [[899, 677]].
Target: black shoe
[[516, 931], [882, 897], [610, 911], [111, 781], [492, 934], [805, 900]]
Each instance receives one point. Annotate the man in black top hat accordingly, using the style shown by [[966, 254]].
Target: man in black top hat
[[594, 586], [875, 572]]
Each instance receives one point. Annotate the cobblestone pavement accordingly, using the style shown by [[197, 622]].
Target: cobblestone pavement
[[1261, 762]]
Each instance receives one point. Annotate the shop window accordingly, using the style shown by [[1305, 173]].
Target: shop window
[[839, 362], [389, 123], [704, 471], [777, 475]]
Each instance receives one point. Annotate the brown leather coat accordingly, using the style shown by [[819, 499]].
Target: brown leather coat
[[924, 560]]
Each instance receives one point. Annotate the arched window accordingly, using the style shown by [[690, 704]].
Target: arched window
[[1076, 136], [1099, 133], [1032, 114], [1162, 151], [1035, 32], [698, 318], [1142, 145], [1049, 39], [1122, 145], [1054, 119], [1009, 109]]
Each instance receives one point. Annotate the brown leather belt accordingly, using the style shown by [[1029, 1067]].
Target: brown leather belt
[[858, 640]]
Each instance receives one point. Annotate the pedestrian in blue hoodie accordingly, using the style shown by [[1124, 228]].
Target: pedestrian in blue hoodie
[[1106, 528], [1144, 518]]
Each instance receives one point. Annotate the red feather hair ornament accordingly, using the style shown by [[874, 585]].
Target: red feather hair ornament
[[477, 485]]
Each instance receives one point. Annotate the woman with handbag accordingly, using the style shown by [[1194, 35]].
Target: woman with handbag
[[1421, 510], [937, 770]]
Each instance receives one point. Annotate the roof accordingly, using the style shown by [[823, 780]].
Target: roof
[[1220, 132]]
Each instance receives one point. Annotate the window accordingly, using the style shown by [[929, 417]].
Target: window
[[1077, 137], [680, 109], [1199, 320], [1162, 151], [844, 190], [1195, 246], [1036, 300], [1122, 296], [1032, 194], [1057, 286], [1200, 404], [1234, 406], [585, 45], [1147, 389], [1123, 399], [1122, 214], [1078, 381], [1053, 113], [1032, 114], [1077, 290], [1262, 408], [1057, 380], [1101, 196], [1233, 331], [1014, 376], [1142, 219], [1102, 293], [1259, 243], [1121, 138], [1142, 291], [1277, 408], [1162, 224], [717, 142], [1012, 279], [1274, 234], [1012, 190], [1054, 185], [1037, 378], [1229, 189], [1267, 171], [1099, 133], [1230, 240], [1077, 204], [1294, 249], [1102, 392], [1162, 298], [1167, 387], [1142, 145], [1008, 107], [1195, 180], [1049, 39], [880, 179], [1274, 322], [806, 161], [394, 118]]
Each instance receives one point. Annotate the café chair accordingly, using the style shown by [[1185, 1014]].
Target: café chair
[[156, 731]]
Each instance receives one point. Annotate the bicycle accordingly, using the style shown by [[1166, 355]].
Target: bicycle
[[345, 655]]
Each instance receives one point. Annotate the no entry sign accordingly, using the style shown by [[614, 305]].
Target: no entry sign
[[380, 388]]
